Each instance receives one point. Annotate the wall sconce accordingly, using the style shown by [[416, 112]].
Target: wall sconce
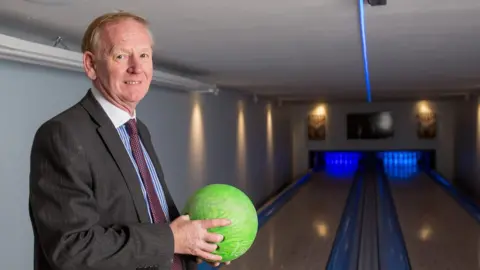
[[426, 121], [316, 123], [424, 108], [319, 110]]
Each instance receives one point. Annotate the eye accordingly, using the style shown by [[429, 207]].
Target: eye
[[120, 56], [144, 55]]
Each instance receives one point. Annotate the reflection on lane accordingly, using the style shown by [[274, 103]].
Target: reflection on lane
[[404, 172], [438, 233], [300, 235]]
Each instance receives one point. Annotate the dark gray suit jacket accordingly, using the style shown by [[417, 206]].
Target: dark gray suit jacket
[[86, 205]]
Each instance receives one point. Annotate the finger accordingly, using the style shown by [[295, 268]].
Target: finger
[[208, 256], [213, 237], [208, 247], [183, 218], [212, 223], [214, 264], [227, 263]]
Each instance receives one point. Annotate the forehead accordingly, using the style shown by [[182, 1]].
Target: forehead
[[126, 33]]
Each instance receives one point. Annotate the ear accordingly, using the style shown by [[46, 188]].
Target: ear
[[89, 65]]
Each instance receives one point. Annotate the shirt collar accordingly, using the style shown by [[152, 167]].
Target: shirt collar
[[118, 116]]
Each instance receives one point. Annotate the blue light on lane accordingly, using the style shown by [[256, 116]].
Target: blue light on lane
[[400, 165], [402, 172], [400, 157], [341, 164], [342, 158]]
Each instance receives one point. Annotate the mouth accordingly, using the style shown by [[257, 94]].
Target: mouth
[[132, 82]]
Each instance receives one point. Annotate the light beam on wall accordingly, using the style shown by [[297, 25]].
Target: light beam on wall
[[197, 144], [478, 128], [270, 149], [241, 147]]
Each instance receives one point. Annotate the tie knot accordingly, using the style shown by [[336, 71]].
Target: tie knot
[[131, 127]]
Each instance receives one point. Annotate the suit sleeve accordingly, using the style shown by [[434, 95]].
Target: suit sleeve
[[65, 218]]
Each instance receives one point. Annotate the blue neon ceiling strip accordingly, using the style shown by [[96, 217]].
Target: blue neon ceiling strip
[[364, 50]]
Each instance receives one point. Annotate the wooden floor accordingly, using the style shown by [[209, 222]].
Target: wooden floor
[[301, 234], [438, 233]]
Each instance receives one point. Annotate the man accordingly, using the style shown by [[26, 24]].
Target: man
[[98, 199]]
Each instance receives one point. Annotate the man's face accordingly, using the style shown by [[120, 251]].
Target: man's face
[[122, 65]]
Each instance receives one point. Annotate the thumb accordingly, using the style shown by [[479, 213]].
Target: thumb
[[185, 217]]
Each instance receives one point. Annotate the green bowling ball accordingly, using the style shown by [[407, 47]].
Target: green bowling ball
[[225, 201]]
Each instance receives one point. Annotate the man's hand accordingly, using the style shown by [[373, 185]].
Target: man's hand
[[191, 237], [214, 264]]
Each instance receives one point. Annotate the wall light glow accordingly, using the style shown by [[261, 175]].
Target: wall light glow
[[270, 149], [197, 145], [423, 107], [319, 110], [478, 128], [241, 146]]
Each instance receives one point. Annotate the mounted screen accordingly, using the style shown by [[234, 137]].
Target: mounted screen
[[375, 125]]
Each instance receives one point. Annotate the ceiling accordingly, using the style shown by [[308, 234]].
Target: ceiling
[[293, 49]]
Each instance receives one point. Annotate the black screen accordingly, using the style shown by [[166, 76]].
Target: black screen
[[375, 125]]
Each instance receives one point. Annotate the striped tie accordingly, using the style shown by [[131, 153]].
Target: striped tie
[[155, 206]]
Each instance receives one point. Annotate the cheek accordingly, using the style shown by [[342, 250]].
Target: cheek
[[117, 77], [103, 73], [148, 69]]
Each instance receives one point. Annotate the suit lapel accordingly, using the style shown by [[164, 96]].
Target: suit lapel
[[147, 142], [115, 146]]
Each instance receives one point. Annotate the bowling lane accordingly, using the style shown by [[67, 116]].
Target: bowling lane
[[300, 235], [438, 233]]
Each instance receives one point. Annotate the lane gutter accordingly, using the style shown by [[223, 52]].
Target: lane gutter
[[369, 236], [393, 253], [346, 246], [467, 204], [368, 258]]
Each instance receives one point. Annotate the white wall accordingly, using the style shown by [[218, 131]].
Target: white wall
[[31, 95], [203, 143], [405, 132], [467, 148]]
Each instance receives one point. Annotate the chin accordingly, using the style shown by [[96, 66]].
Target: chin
[[133, 97]]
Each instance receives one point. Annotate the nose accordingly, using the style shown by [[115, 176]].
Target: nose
[[135, 65]]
